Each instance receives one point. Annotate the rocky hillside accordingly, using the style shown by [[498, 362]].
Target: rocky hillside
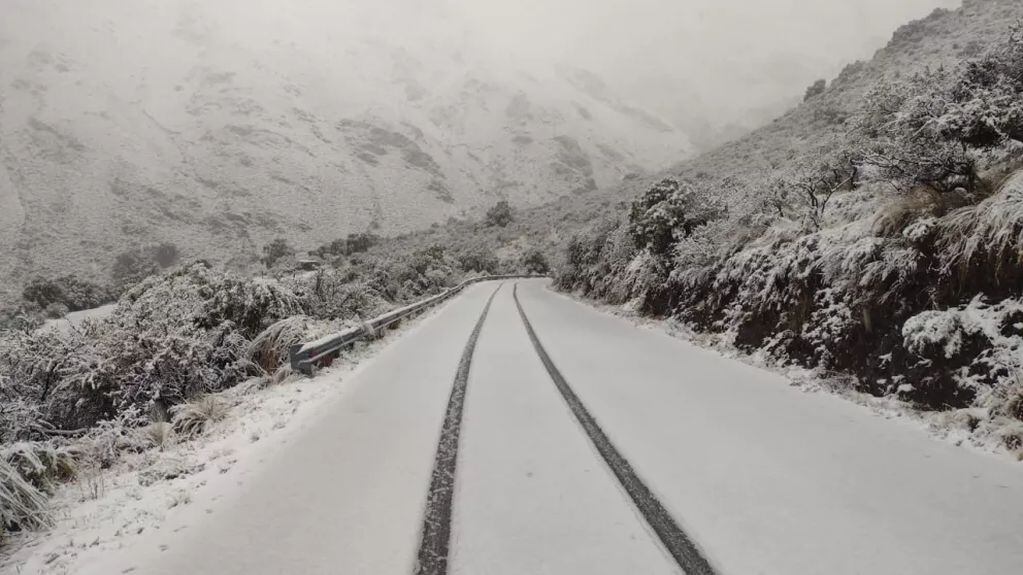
[[218, 126]]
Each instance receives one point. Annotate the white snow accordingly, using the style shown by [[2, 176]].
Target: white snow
[[127, 524], [769, 479], [341, 491], [75, 318], [765, 478], [533, 494]]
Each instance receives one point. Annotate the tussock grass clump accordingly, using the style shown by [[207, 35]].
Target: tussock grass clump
[[989, 233], [28, 473], [269, 350], [159, 434], [22, 505], [197, 416], [921, 202]]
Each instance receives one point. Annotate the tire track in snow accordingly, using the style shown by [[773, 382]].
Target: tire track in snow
[[681, 547], [433, 553]]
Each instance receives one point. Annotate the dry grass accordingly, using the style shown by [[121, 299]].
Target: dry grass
[[22, 505], [991, 231], [921, 202], [28, 472], [159, 434], [197, 416], [269, 351]]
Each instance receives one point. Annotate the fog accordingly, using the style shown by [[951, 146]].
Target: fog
[[702, 64], [718, 61], [707, 66]]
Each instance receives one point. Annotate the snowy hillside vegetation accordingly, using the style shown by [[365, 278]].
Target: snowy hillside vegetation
[[77, 395], [215, 127], [879, 234]]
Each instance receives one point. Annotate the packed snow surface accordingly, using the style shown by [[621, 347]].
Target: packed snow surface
[[765, 477]]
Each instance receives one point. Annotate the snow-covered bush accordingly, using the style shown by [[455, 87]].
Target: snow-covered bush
[[978, 346], [337, 294], [870, 244], [171, 338], [669, 211], [22, 318], [500, 214], [277, 250], [535, 262], [71, 292], [478, 259], [409, 277]]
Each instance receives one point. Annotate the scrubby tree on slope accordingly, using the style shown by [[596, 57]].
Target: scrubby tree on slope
[[500, 215]]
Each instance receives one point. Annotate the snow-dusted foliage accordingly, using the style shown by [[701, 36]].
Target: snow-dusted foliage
[[170, 338], [173, 342], [990, 336], [408, 277], [868, 254], [669, 211], [338, 294]]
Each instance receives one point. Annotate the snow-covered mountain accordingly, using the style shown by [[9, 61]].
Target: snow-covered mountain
[[219, 125]]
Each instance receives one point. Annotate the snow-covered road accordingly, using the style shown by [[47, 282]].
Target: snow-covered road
[[762, 477]]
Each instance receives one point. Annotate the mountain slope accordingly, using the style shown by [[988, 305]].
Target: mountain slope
[[943, 39], [219, 126]]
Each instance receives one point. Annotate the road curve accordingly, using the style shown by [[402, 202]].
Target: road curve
[[758, 476]]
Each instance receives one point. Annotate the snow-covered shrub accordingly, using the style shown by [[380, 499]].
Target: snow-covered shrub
[[985, 106], [337, 294], [71, 292], [478, 259], [815, 89], [407, 278], [132, 267], [196, 416], [277, 250], [535, 262], [104, 443], [596, 259], [939, 333], [669, 211], [171, 338], [978, 346], [56, 311], [186, 334], [500, 215], [40, 371], [22, 318]]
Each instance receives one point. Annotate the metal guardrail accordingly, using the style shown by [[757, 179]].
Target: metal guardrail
[[306, 357]]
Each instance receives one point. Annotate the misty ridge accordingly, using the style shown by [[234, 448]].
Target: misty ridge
[[192, 191], [202, 124]]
